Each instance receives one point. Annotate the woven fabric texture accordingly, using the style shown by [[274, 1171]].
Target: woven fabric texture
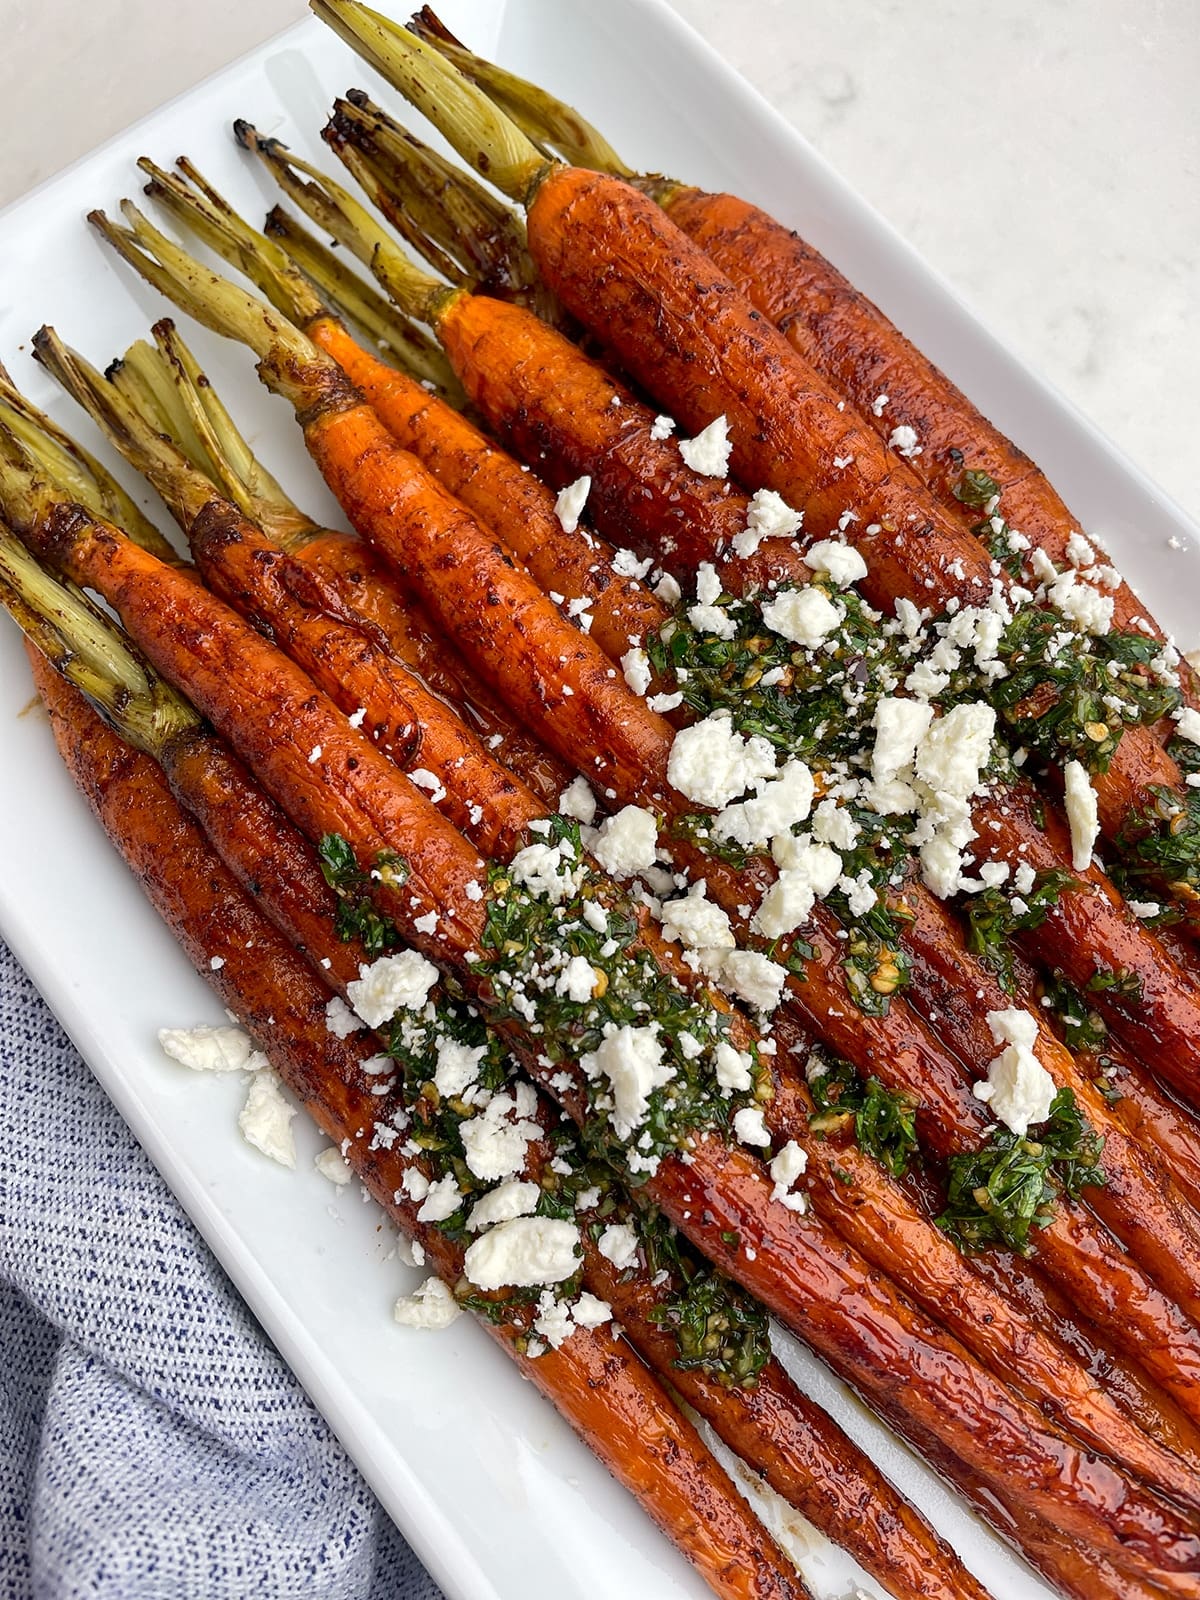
[[152, 1441]]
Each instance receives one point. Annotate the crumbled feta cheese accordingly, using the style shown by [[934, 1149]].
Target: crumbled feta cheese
[[712, 620], [662, 703], [733, 1067], [789, 1164], [833, 824], [768, 517], [211, 1049], [778, 804], [1081, 603], [708, 452], [523, 1253], [878, 404], [330, 1165], [1080, 552], [633, 1062], [627, 565], [266, 1119], [662, 428], [708, 585], [899, 725], [546, 872], [568, 507], [426, 924], [576, 980], [1144, 908], [457, 1067], [956, 748], [517, 1198], [314, 755], [442, 1199], [619, 1244], [1083, 813], [713, 764], [749, 1126], [668, 591], [589, 1311], [578, 801], [808, 872], [1018, 1088], [839, 562], [1024, 878], [903, 441], [805, 616], [340, 1021], [627, 842], [1187, 724], [696, 922], [635, 664], [753, 978], [860, 893], [390, 984], [431, 1307], [496, 1140]]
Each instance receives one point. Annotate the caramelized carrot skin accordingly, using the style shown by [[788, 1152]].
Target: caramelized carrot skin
[[513, 633], [806, 1457], [846, 338], [514, 504], [554, 407], [610, 1400], [311, 624], [276, 718], [899, 1361], [370, 587]]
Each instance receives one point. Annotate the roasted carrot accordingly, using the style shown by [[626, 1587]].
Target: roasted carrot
[[683, 330], [514, 503], [837, 330], [610, 1400], [225, 700], [441, 561]]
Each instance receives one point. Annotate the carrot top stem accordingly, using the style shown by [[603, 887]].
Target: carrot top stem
[[334, 208], [141, 442], [555, 127], [493, 145], [360, 303], [91, 651], [172, 394], [76, 471], [289, 363]]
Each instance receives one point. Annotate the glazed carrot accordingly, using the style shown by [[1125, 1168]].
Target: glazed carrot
[[1138, 1312], [683, 330], [818, 1465], [830, 323], [1091, 1499], [169, 390], [991, 1331], [610, 1400], [511, 500]]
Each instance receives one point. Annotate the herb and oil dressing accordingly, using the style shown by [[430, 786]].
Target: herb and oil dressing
[[449, 1067], [998, 1194], [638, 1110]]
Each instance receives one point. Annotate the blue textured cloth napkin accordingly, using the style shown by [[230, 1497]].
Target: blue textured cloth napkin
[[152, 1441]]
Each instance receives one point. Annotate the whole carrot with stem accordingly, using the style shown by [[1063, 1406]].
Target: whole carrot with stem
[[811, 1462], [516, 505], [834, 326], [682, 329], [369, 503], [429, 858], [603, 1392]]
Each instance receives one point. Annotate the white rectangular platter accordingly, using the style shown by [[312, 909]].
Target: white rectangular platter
[[496, 1495]]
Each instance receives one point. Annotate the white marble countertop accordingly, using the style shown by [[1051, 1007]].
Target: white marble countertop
[[1044, 157]]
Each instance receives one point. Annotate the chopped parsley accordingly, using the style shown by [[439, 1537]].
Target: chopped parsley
[[884, 1121], [357, 917], [999, 1194], [992, 921]]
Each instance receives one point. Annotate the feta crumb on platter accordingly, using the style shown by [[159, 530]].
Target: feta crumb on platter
[[266, 1119], [430, 1308]]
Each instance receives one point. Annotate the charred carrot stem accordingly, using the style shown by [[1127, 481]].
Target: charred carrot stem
[[609, 1398]]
